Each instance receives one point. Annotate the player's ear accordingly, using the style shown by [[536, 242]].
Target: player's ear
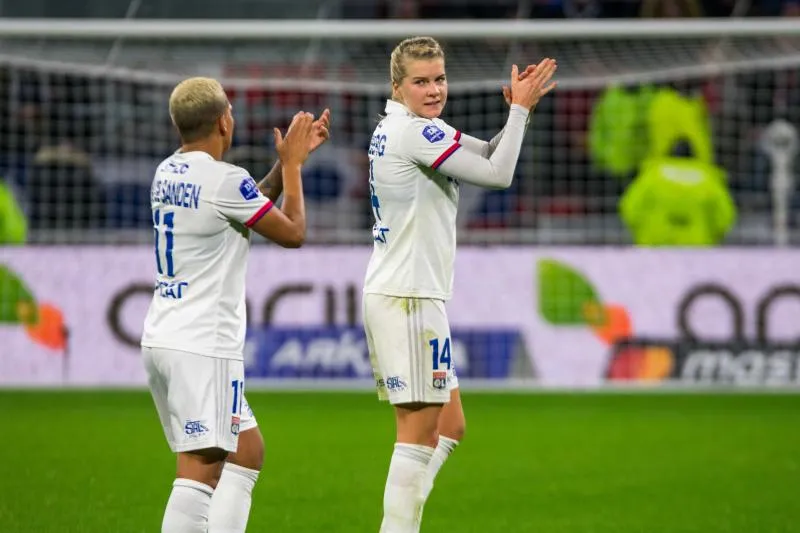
[[222, 127]]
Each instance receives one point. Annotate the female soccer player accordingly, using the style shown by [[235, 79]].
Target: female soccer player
[[416, 164]]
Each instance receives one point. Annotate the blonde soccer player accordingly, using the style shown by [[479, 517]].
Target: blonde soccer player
[[204, 211], [416, 164]]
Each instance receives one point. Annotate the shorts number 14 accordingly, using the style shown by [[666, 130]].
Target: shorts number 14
[[441, 357]]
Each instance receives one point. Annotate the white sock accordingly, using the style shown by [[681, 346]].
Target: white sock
[[187, 508], [405, 485], [440, 454], [230, 506]]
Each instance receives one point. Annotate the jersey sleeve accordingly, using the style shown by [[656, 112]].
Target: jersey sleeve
[[238, 198], [430, 145], [473, 144]]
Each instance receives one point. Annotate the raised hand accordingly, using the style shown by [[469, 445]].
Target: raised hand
[[320, 130], [522, 75], [294, 148], [528, 87]]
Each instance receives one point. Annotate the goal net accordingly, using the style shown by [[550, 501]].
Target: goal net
[[86, 120]]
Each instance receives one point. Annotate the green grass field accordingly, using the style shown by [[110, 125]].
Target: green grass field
[[549, 463]]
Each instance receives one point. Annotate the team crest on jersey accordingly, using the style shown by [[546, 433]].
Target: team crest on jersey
[[248, 188], [433, 133], [440, 380]]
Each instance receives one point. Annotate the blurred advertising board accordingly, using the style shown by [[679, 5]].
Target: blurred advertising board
[[560, 317]]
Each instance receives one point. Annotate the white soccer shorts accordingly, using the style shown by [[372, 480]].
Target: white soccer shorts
[[410, 349], [200, 400]]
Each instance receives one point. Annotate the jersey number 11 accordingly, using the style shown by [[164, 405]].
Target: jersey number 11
[[169, 225]]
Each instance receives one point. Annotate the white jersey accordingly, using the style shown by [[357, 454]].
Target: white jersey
[[414, 206], [415, 167], [202, 209]]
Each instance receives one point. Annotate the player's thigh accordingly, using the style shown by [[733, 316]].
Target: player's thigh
[[250, 451], [157, 383], [411, 347], [199, 398], [417, 423], [377, 374], [452, 422]]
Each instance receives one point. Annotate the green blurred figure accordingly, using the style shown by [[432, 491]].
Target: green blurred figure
[[678, 196], [618, 129], [13, 225], [678, 201]]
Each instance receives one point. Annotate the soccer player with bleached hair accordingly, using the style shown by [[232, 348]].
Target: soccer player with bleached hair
[[204, 211], [416, 164]]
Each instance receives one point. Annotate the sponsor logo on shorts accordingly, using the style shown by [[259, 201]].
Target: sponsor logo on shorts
[[395, 384], [440, 380], [235, 425], [195, 428]]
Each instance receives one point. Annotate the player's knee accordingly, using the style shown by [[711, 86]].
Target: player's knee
[[433, 439], [453, 427], [454, 431], [257, 455], [457, 431], [204, 466]]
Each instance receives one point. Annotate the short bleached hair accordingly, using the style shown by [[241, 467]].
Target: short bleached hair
[[195, 105]]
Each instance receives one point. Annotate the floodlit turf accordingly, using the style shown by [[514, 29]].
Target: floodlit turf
[[545, 463]]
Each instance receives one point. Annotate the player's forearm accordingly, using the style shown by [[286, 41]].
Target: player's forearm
[[496, 141], [475, 145], [497, 170], [271, 185], [293, 205]]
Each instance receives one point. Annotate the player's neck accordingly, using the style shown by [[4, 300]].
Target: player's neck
[[208, 146]]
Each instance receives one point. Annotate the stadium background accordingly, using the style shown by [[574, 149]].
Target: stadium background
[[553, 297]]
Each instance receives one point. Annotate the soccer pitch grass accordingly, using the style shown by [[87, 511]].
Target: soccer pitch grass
[[549, 463]]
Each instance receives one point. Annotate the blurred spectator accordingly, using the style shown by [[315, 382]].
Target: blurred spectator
[[671, 8], [256, 160], [583, 8], [423, 9], [62, 192], [791, 8]]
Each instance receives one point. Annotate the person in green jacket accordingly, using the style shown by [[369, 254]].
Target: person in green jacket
[[678, 201], [13, 225]]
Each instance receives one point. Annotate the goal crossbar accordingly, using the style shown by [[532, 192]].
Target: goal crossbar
[[238, 30]]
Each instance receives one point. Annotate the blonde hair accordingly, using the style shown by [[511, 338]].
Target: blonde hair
[[195, 105], [412, 49]]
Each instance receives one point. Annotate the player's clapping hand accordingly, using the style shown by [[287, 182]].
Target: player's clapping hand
[[522, 75], [320, 130], [294, 148], [528, 87]]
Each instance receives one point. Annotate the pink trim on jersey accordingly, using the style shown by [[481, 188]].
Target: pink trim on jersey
[[457, 136], [447, 153], [260, 213]]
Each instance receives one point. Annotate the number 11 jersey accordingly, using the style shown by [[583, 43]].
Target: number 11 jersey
[[202, 211]]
